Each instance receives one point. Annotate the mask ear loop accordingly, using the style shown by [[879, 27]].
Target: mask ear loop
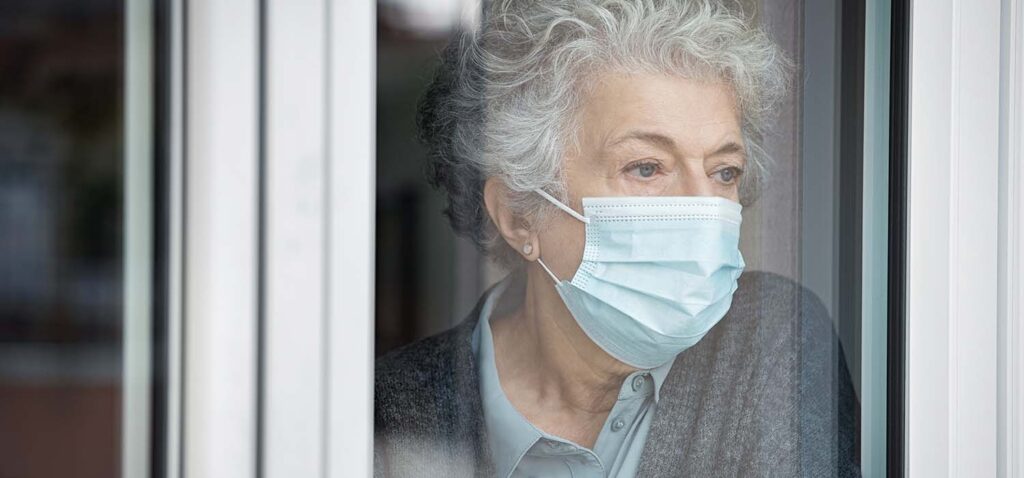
[[563, 207], [569, 211], [552, 274]]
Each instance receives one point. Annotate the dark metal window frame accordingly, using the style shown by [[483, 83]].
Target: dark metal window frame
[[898, 160], [162, 194]]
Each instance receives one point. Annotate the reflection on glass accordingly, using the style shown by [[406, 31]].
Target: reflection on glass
[[61, 69], [427, 19]]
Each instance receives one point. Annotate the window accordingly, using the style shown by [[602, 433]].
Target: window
[[820, 221], [206, 205]]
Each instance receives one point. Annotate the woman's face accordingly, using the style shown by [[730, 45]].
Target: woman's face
[[647, 135]]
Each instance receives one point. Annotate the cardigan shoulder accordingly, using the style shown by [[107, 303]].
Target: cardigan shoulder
[[427, 415], [767, 389], [415, 385]]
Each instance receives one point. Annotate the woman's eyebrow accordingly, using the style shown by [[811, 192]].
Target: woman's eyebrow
[[728, 148], [657, 139], [667, 143]]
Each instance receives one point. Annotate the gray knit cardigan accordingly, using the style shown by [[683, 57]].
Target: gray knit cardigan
[[765, 393]]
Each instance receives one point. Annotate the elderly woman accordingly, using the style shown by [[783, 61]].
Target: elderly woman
[[602, 150]]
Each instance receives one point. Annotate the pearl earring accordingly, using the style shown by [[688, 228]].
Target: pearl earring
[[527, 248]]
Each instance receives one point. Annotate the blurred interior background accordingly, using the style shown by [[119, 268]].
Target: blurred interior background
[[61, 126]]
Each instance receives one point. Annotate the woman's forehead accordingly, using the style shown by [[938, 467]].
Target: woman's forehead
[[659, 110]]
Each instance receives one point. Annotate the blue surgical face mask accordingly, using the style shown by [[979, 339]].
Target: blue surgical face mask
[[657, 273]]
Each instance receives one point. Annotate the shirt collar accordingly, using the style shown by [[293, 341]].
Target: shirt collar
[[659, 374]]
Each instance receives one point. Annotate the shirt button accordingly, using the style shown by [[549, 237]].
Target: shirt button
[[638, 382], [618, 424]]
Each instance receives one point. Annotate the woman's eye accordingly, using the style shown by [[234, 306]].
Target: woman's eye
[[728, 175], [644, 170]]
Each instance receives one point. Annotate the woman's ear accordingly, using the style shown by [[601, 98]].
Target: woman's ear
[[512, 228]]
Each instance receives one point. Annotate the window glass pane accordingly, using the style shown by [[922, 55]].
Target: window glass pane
[[61, 229], [620, 101]]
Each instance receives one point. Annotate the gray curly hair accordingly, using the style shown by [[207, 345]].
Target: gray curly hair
[[503, 103]]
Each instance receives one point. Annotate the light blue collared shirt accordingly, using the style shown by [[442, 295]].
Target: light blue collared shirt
[[520, 449]]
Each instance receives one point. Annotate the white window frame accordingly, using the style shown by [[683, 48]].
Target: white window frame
[[272, 248], [352, 76], [295, 249], [221, 240], [1011, 276], [956, 236]]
